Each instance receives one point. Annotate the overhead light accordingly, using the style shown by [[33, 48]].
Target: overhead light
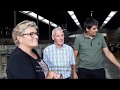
[[24, 11], [71, 13], [40, 18], [91, 13], [108, 18], [104, 34], [73, 16], [46, 21], [112, 13], [74, 35], [105, 22], [54, 25], [34, 15]]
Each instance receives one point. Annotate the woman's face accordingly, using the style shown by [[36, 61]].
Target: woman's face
[[29, 37]]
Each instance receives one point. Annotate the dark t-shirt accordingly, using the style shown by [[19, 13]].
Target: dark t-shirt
[[22, 66]]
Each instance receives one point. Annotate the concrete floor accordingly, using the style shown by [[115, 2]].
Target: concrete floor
[[112, 72]]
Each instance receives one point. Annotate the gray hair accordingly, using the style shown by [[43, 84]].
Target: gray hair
[[20, 28], [56, 29]]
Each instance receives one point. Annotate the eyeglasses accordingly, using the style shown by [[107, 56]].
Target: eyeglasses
[[32, 34]]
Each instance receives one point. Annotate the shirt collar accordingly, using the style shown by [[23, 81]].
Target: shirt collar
[[57, 47], [86, 36]]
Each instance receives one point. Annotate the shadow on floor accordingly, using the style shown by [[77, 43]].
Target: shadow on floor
[[112, 72]]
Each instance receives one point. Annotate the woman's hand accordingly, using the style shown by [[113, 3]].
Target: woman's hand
[[53, 75], [57, 76]]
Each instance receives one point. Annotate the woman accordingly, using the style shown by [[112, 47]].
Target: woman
[[24, 62]]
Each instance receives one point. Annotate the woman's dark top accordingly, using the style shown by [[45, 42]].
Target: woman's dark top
[[20, 65]]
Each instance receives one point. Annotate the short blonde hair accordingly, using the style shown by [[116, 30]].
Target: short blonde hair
[[20, 28]]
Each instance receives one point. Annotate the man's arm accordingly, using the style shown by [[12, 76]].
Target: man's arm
[[111, 57], [75, 53], [74, 74]]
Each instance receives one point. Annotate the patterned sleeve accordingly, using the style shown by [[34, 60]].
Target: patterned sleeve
[[72, 57], [45, 57]]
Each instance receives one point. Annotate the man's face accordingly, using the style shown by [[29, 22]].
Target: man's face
[[92, 31], [58, 37]]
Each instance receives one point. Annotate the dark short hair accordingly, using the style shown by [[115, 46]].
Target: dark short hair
[[89, 22]]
